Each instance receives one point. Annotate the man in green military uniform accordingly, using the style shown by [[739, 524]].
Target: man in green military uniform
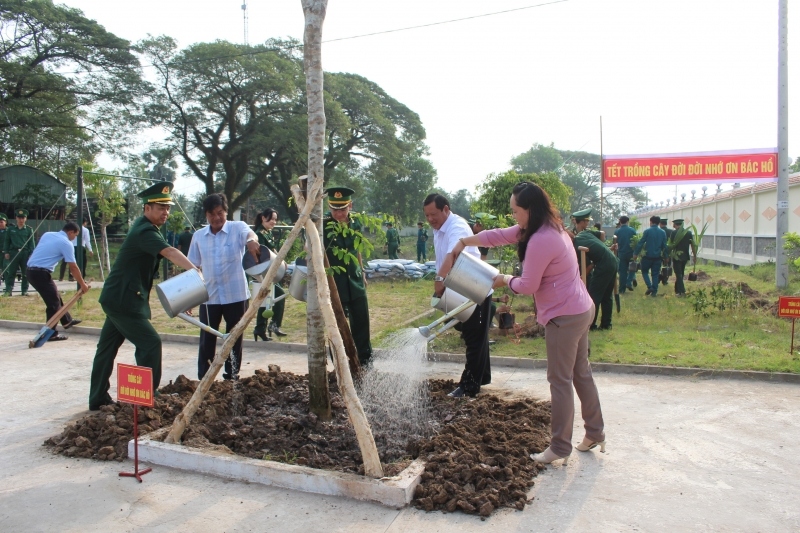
[[351, 283], [422, 243], [392, 241], [601, 280], [680, 240], [17, 247], [662, 223], [126, 294], [185, 240], [3, 261]]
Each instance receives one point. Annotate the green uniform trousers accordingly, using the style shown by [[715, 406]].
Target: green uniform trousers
[[601, 289], [116, 329], [680, 269], [358, 312], [277, 318], [18, 260], [393, 250]]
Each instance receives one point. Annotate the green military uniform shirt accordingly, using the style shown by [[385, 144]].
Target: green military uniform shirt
[[603, 259], [351, 282], [266, 238], [127, 288], [392, 237], [17, 239], [679, 244]]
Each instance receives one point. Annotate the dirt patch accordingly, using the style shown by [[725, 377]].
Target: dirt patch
[[701, 275], [743, 287], [476, 462]]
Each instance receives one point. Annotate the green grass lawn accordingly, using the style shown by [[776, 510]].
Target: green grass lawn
[[656, 331]]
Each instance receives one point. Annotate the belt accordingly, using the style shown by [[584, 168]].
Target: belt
[[40, 269]]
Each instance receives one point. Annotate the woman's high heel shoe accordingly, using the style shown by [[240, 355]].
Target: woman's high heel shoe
[[548, 456], [263, 337], [588, 444]]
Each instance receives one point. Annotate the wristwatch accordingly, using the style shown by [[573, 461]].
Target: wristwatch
[[438, 278]]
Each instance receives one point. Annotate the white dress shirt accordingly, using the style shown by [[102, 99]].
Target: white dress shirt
[[85, 239], [446, 237], [220, 257]]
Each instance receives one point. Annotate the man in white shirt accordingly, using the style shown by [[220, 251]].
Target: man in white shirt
[[448, 228], [218, 250], [86, 243]]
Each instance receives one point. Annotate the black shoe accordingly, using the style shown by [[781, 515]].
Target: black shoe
[[228, 377], [648, 292], [273, 327], [263, 337], [106, 401], [605, 328], [58, 337], [635, 283], [628, 288], [73, 322], [593, 327], [458, 393]]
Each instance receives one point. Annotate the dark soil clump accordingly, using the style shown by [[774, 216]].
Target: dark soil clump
[[476, 462]]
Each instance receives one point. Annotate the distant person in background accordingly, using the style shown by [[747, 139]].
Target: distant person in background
[[55, 246], [422, 243], [18, 246], [679, 244], [598, 231], [265, 223], [3, 260], [86, 247], [218, 250], [624, 234], [600, 282], [654, 243], [392, 241], [185, 240], [477, 227]]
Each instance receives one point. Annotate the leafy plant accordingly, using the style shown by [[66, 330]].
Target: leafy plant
[[361, 243], [698, 237], [791, 244]]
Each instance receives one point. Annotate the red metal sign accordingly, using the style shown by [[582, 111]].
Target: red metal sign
[[789, 307], [702, 167], [135, 385]]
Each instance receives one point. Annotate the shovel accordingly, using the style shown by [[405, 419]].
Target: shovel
[[50, 328], [616, 292], [583, 250]]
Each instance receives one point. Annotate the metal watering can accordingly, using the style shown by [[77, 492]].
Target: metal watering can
[[468, 284], [182, 292]]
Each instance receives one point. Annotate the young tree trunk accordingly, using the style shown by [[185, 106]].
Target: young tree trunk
[[314, 11], [366, 442], [185, 417], [106, 255]]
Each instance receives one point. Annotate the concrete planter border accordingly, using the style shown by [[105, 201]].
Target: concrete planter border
[[396, 492]]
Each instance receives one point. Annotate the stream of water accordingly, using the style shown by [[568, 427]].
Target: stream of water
[[394, 390]]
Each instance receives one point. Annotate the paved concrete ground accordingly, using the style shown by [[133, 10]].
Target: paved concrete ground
[[683, 455]]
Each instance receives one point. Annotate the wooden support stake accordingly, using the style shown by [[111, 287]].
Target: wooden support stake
[[583, 250]]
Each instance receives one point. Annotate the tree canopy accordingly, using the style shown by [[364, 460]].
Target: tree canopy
[[68, 87], [238, 112], [494, 192]]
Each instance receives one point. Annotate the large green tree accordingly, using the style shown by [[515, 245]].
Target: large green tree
[[494, 192], [68, 87], [239, 112], [580, 171]]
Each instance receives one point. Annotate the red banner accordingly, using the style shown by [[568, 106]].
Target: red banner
[[135, 385], [789, 306], [702, 167]]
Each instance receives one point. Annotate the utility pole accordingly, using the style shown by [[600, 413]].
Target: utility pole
[[244, 16], [781, 265], [79, 247]]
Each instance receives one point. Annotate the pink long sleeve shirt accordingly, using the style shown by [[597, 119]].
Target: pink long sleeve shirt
[[550, 271]]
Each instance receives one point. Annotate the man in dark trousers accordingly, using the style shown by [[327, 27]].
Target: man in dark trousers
[[3, 260], [125, 298], [55, 246], [654, 243], [662, 223], [624, 234], [680, 242], [448, 228], [185, 240], [392, 241], [351, 282], [422, 243], [600, 282]]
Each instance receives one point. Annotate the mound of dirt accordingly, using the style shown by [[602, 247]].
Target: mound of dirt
[[476, 462]]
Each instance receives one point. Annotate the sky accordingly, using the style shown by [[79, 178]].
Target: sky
[[665, 76]]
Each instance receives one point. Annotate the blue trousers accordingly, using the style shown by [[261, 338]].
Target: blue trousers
[[650, 268], [625, 278]]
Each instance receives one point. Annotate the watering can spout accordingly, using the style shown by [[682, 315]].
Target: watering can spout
[[425, 331]]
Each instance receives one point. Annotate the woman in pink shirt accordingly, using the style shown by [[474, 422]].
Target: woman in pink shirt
[[550, 273]]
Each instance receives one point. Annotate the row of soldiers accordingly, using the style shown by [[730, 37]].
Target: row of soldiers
[[608, 266]]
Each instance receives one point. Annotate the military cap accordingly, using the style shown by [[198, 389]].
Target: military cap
[[678, 221], [582, 214], [471, 221], [160, 193], [388, 223], [662, 221], [340, 197], [20, 213], [3, 217]]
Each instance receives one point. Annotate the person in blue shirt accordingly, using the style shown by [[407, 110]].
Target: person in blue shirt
[[625, 252], [654, 242], [53, 247]]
